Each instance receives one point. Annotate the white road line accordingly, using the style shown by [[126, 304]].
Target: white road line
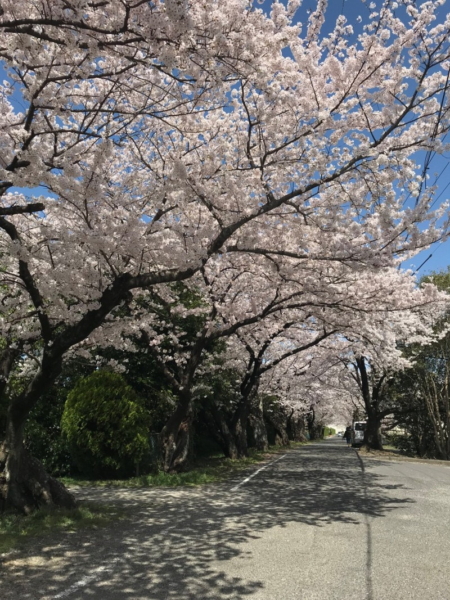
[[256, 473], [85, 581], [97, 573]]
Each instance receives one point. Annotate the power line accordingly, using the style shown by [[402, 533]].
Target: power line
[[425, 261], [437, 197], [428, 258]]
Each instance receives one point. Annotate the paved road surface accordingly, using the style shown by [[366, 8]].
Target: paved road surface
[[319, 524]]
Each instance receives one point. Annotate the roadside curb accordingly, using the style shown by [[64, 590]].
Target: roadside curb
[[425, 461]]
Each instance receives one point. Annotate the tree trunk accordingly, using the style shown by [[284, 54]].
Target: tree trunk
[[24, 483], [371, 397], [438, 407], [296, 429], [279, 422], [226, 436], [314, 428], [258, 429], [177, 446], [176, 439], [232, 430], [239, 430], [372, 435]]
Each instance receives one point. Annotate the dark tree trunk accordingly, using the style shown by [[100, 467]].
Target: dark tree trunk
[[314, 428], [24, 483], [176, 439], [315, 432], [296, 429], [372, 435], [279, 422], [229, 446], [224, 434], [232, 430], [257, 427], [239, 429], [177, 446]]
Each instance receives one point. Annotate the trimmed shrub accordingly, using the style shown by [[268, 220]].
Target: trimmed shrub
[[107, 426], [327, 431]]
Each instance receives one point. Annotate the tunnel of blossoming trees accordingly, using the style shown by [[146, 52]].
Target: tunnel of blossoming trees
[[222, 197]]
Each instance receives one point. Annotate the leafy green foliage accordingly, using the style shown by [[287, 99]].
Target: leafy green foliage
[[441, 279], [147, 379], [328, 431], [422, 403], [43, 436], [106, 425]]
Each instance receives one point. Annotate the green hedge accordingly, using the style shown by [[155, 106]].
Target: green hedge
[[106, 425], [328, 431]]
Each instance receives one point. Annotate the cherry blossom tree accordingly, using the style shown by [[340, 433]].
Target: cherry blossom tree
[[230, 293], [141, 140], [309, 390], [373, 358], [272, 317], [385, 312], [112, 92]]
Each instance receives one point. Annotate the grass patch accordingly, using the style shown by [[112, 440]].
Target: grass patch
[[16, 529], [212, 469]]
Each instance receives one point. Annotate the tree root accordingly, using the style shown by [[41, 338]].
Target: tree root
[[31, 488]]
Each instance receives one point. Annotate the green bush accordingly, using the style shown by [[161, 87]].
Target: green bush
[[43, 437], [106, 425], [48, 445], [328, 431]]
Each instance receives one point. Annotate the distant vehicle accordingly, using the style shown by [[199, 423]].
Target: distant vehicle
[[340, 433], [358, 429]]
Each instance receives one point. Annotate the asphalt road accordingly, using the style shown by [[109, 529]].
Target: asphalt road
[[318, 524]]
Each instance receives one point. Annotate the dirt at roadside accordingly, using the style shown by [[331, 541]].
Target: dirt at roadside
[[395, 455]]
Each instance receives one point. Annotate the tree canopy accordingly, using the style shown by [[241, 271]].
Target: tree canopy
[[271, 167]]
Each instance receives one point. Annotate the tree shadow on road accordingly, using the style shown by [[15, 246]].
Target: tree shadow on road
[[176, 543]]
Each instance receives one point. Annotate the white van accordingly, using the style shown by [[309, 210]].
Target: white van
[[358, 429]]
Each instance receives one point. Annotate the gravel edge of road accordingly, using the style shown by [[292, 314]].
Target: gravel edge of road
[[399, 458]]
